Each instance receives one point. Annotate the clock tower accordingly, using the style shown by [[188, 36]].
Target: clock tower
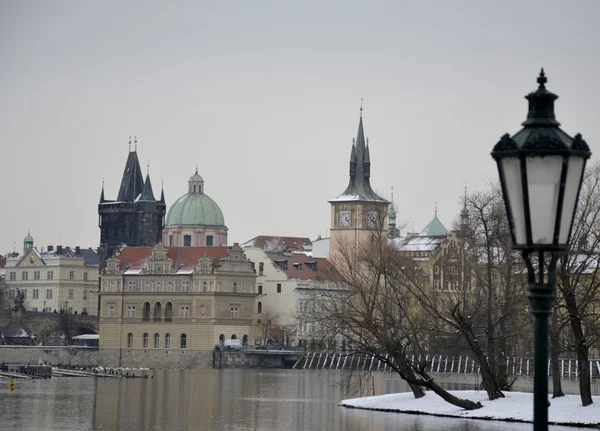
[[358, 213]]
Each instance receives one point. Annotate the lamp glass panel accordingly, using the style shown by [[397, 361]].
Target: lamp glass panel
[[511, 169], [543, 184], [572, 185]]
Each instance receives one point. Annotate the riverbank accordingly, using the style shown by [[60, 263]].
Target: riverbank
[[515, 407]]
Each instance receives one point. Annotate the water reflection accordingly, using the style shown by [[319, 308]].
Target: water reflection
[[287, 400]]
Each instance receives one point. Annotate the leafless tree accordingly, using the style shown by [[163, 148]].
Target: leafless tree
[[370, 306]]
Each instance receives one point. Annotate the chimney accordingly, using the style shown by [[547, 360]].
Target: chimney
[[77, 249], [50, 248], [59, 248]]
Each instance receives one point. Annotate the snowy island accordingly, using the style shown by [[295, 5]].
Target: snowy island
[[515, 407]]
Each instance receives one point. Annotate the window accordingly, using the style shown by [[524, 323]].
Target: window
[[158, 286], [169, 286], [278, 287], [183, 341], [24, 291], [147, 286], [24, 275], [70, 293], [145, 340], [185, 286], [71, 275], [36, 275], [209, 240], [259, 310], [130, 340], [34, 309], [261, 268], [187, 240], [168, 341], [260, 289], [36, 293], [85, 276], [48, 293], [111, 310], [131, 311], [13, 276], [234, 313], [437, 269], [184, 311], [204, 284], [170, 240], [112, 286], [156, 341], [168, 312], [50, 275], [85, 294], [84, 310]]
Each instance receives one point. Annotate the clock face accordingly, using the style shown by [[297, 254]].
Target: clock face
[[372, 219], [345, 219]]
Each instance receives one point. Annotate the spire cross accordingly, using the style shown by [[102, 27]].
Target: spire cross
[[135, 141], [361, 108]]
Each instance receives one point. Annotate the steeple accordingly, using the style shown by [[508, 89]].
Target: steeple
[[359, 186], [162, 193], [392, 229], [147, 193], [132, 183], [464, 215], [102, 200]]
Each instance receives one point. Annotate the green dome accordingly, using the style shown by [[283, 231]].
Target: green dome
[[195, 209], [28, 238], [196, 177], [434, 228]]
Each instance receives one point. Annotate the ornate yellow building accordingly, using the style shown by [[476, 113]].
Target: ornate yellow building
[[169, 306]]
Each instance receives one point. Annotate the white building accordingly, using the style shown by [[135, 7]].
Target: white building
[[56, 279]]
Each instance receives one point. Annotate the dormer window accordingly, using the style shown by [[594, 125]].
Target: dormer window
[[282, 264]]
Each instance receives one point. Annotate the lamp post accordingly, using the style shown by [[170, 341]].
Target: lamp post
[[541, 170]]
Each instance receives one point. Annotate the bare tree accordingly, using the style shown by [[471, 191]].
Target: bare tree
[[578, 279], [370, 306]]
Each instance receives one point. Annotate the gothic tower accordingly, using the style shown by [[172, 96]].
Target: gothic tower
[[358, 213], [136, 217]]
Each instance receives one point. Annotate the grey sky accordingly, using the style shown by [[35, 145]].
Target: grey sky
[[265, 97]]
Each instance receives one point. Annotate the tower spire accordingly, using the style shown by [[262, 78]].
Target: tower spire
[[135, 141], [361, 108], [102, 193], [130, 144]]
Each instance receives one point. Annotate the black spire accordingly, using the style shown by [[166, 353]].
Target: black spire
[[132, 183], [102, 200], [147, 193], [360, 168], [162, 193]]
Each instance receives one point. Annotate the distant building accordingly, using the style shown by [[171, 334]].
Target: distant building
[[136, 217], [281, 244], [60, 278], [358, 212], [195, 219], [321, 247], [169, 306], [285, 284]]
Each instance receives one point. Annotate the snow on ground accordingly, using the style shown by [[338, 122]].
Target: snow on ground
[[515, 407]]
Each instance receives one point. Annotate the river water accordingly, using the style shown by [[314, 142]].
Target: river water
[[219, 400]]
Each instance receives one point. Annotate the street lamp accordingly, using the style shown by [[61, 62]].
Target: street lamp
[[541, 170]]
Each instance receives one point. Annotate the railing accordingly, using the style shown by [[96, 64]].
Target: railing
[[569, 367]]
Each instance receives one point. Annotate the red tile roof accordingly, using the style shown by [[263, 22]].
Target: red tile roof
[[280, 243], [303, 267], [187, 257]]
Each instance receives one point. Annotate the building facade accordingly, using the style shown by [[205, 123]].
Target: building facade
[[169, 306], [195, 219], [60, 278], [136, 217], [358, 212], [286, 282]]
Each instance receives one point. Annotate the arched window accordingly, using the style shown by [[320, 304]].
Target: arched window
[[145, 341], [129, 340], [168, 341], [234, 337], [156, 341], [183, 341], [187, 240], [245, 339], [221, 338], [259, 307], [146, 311], [194, 188], [168, 312], [157, 311]]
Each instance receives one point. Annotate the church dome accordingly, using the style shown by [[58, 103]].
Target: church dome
[[195, 208], [28, 238]]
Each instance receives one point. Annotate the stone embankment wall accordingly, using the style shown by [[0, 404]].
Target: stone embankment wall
[[155, 358], [69, 356], [233, 359]]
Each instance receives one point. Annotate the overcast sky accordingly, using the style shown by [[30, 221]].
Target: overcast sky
[[265, 97]]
